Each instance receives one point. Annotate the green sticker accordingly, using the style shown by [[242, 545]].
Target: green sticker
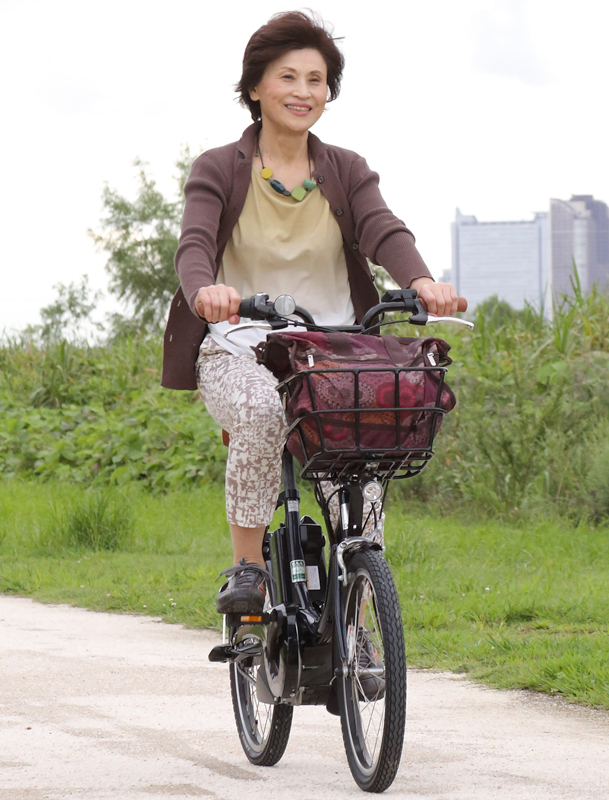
[[299, 573]]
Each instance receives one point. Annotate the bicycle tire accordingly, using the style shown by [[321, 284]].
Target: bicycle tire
[[264, 729], [372, 706]]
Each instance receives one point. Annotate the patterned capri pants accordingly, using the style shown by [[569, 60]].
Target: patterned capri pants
[[241, 397]]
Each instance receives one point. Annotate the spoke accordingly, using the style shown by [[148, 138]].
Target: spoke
[[371, 709], [382, 713], [376, 740], [248, 677], [261, 720], [376, 733], [266, 724], [259, 715]]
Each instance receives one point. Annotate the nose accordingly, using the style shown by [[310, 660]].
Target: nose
[[301, 88]]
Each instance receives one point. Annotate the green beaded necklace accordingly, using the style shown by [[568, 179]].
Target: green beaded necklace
[[299, 192]]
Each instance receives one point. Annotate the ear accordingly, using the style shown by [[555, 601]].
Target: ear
[[254, 95]]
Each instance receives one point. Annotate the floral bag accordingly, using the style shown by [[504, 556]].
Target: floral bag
[[351, 392]]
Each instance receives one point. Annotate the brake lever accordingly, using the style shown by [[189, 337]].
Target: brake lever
[[265, 326], [431, 320], [270, 325]]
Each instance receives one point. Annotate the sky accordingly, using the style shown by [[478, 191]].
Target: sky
[[492, 106]]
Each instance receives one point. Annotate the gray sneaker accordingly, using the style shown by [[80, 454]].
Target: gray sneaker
[[370, 668], [244, 592]]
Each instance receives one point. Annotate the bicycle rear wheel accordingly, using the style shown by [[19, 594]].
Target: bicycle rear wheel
[[372, 695], [264, 728]]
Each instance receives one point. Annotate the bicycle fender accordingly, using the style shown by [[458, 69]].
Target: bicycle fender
[[293, 665]]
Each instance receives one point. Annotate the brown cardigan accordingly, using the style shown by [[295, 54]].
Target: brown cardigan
[[215, 193]]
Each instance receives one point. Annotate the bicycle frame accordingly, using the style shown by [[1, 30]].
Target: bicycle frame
[[308, 631]]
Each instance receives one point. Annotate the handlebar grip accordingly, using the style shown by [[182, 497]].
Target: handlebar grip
[[461, 304], [246, 307], [257, 307]]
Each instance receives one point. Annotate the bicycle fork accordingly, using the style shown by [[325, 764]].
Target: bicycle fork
[[351, 521]]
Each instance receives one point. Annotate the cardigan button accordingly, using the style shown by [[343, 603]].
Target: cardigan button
[[355, 246], [339, 212], [320, 179]]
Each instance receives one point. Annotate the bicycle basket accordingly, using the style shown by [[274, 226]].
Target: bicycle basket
[[353, 399]]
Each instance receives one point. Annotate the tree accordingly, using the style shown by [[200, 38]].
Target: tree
[[68, 317], [141, 238]]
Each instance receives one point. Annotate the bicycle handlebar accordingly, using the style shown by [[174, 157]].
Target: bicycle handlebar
[[259, 307]]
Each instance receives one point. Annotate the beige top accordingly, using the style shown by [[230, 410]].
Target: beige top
[[282, 246]]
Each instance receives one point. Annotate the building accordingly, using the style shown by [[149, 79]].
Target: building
[[531, 261], [580, 233]]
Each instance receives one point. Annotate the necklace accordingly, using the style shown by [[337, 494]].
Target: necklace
[[299, 192]]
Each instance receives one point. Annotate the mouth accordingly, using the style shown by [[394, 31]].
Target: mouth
[[299, 110]]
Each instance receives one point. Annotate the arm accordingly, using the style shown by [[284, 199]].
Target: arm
[[386, 240], [206, 193], [382, 237]]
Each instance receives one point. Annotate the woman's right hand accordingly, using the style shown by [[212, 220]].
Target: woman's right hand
[[218, 303]]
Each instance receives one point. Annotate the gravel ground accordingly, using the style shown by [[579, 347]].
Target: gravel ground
[[117, 707]]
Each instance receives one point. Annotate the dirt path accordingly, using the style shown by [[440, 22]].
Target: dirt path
[[115, 707]]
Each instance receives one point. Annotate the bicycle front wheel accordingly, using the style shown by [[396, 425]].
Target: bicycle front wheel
[[372, 693], [264, 728]]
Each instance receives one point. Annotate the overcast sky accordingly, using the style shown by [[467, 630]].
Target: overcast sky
[[493, 106]]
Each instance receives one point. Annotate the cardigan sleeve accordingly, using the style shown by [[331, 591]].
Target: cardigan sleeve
[[206, 193], [382, 237]]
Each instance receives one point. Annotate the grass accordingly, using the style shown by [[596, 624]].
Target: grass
[[518, 605]]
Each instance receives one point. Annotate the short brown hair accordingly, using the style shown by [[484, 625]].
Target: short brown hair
[[291, 30]]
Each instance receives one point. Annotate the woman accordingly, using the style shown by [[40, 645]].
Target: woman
[[282, 213]]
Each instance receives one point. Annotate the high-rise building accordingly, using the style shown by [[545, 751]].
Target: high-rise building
[[532, 260], [580, 235]]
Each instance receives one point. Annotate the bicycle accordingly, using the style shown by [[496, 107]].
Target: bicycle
[[331, 630]]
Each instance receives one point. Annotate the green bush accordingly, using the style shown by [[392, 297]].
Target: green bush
[[597, 479], [98, 415], [528, 437]]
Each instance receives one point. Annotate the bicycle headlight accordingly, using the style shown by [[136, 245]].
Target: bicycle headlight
[[372, 491]]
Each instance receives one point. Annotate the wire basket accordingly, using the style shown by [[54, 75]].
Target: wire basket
[[393, 440]]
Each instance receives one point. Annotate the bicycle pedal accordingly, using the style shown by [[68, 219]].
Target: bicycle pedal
[[228, 652], [237, 620], [220, 653]]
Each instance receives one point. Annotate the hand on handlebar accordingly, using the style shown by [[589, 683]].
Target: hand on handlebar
[[439, 299], [218, 303]]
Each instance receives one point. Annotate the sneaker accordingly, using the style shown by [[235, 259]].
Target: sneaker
[[244, 591], [370, 668]]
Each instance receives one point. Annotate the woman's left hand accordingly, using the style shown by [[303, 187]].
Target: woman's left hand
[[439, 299]]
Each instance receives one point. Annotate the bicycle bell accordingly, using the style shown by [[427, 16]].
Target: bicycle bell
[[285, 305]]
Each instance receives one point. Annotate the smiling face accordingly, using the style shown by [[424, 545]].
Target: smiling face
[[293, 91]]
